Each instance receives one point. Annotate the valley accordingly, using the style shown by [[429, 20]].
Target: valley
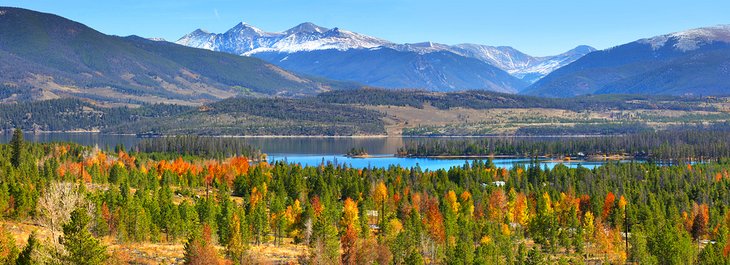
[[368, 113]]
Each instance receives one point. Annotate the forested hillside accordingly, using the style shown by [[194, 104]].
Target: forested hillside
[[264, 116], [74, 114], [491, 100], [377, 112], [44, 56], [682, 144], [84, 204]]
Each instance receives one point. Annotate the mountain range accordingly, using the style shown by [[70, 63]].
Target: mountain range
[[44, 56], [345, 55], [695, 62]]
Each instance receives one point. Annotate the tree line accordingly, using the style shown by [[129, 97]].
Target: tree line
[[199, 146], [670, 145], [74, 114], [486, 100]]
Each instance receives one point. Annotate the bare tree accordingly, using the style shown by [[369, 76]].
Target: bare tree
[[308, 231], [56, 204]]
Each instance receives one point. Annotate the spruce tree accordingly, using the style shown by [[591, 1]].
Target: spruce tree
[[26, 256], [17, 144], [237, 245], [80, 245]]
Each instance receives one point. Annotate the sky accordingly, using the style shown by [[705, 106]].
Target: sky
[[537, 27]]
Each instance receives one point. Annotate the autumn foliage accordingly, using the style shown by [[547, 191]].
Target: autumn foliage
[[200, 249]]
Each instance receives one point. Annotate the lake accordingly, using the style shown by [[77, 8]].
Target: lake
[[310, 151]]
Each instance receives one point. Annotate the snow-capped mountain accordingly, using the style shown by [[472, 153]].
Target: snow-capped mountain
[[244, 39], [691, 39], [691, 62], [517, 63]]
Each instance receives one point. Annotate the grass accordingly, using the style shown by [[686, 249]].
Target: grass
[[430, 120], [164, 252]]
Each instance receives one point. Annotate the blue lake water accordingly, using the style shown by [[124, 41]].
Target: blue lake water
[[308, 151], [424, 163]]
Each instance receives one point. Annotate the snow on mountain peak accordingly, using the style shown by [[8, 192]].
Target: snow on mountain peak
[[244, 28], [198, 38], [245, 39], [691, 39], [306, 27]]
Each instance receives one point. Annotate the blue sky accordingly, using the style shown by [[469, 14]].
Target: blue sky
[[537, 27]]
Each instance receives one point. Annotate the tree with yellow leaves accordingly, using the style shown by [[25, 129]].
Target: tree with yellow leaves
[[452, 202], [350, 213], [520, 211], [381, 196], [588, 228]]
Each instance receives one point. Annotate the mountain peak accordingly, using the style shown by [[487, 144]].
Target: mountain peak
[[200, 32], [691, 39], [306, 27], [580, 49], [246, 29]]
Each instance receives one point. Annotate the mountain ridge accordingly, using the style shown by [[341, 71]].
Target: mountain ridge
[[522, 66], [691, 62], [45, 56]]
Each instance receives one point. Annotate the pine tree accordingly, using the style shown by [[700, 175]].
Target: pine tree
[[80, 245], [326, 243], [17, 145], [26, 256], [238, 243], [224, 216]]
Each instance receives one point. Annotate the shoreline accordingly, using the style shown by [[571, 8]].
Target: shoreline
[[544, 158], [375, 136]]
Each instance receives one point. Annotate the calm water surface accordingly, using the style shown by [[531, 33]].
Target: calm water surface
[[310, 151]]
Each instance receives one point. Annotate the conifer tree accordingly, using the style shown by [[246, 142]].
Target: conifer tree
[[80, 245], [27, 256], [17, 147], [237, 244]]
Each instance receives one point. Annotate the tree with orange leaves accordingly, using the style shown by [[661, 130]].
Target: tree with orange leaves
[[316, 205], [200, 250], [434, 220], [240, 165], [497, 205], [416, 202], [699, 224], [520, 211], [608, 204], [348, 243]]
